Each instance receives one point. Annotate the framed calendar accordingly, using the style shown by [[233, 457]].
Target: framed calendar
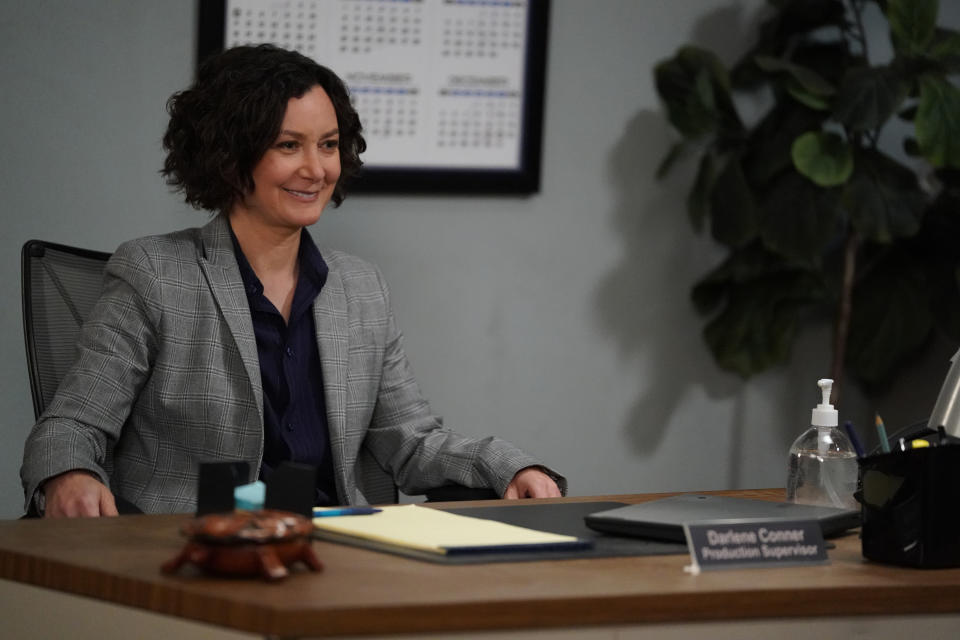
[[450, 92]]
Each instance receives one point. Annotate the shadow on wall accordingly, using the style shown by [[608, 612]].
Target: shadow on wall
[[644, 303], [655, 324]]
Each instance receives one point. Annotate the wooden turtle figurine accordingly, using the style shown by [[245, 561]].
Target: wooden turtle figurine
[[247, 543]]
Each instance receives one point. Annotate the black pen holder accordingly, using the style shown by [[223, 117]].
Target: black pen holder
[[911, 507]]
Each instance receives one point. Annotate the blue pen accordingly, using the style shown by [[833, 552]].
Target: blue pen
[[854, 438], [320, 512]]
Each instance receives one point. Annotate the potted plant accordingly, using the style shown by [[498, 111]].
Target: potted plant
[[817, 213]]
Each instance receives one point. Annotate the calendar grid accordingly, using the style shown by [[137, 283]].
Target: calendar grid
[[438, 84]]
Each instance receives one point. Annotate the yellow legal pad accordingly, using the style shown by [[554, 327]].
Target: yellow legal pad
[[435, 531]]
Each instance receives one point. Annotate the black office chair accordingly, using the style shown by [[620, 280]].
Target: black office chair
[[60, 286]]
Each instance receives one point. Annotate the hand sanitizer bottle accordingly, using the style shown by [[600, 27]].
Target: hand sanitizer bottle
[[822, 468]]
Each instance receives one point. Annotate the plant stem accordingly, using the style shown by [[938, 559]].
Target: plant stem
[[845, 308], [861, 35], [841, 329]]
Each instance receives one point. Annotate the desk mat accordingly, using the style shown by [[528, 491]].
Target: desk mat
[[563, 518]]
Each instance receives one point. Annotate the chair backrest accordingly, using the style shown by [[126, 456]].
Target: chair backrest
[[60, 285]]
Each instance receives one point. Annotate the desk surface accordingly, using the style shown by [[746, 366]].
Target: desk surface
[[364, 592]]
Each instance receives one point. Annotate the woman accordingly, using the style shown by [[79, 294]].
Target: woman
[[240, 339]]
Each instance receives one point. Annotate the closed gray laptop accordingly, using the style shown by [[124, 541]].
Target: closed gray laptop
[[664, 519]]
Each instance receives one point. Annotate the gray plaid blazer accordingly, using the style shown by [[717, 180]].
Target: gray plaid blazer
[[167, 376]]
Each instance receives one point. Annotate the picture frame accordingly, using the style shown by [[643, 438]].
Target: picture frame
[[450, 92]]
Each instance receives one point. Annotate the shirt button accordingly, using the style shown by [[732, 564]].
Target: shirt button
[[289, 352], [289, 426]]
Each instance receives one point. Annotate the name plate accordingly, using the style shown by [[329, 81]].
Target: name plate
[[742, 544]]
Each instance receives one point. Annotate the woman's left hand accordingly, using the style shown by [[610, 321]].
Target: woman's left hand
[[531, 483]]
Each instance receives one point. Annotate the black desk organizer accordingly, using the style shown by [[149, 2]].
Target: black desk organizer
[[911, 507]]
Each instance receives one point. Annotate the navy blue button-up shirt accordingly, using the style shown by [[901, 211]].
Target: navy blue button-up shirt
[[294, 409]]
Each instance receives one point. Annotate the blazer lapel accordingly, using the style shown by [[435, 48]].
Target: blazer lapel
[[330, 319], [219, 265]]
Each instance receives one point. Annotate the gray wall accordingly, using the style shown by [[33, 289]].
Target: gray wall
[[561, 321]]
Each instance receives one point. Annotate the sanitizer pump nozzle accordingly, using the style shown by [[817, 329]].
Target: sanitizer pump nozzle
[[824, 415]]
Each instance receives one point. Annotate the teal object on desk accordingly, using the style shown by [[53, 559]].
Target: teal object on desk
[[882, 434], [250, 496]]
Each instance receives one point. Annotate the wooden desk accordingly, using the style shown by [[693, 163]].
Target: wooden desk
[[117, 560]]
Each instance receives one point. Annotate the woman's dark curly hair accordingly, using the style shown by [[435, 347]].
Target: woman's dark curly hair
[[222, 125]]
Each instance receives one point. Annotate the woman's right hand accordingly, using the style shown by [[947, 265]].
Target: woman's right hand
[[77, 494]]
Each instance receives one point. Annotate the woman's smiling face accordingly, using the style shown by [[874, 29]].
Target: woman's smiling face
[[295, 178]]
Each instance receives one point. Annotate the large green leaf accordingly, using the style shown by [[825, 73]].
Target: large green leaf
[[807, 98], [938, 121], [743, 265], [912, 24], [869, 96], [945, 49], [890, 319], [883, 198], [823, 157], [696, 92], [799, 218], [808, 78], [735, 219], [756, 327], [830, 59], [768, 148]]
